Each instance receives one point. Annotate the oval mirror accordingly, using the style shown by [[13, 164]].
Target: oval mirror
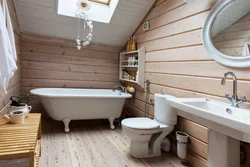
[[226, 33]]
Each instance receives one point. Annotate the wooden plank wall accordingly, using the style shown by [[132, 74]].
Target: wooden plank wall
[[231, 41], [177, 64], [55, 62], [15, 82]]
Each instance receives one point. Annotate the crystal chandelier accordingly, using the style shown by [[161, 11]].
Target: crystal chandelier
[[82, 7]]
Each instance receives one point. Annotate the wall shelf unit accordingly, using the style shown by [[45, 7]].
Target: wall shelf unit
[[136, 70]]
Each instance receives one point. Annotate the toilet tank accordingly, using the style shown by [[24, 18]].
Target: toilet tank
[[162, 111]]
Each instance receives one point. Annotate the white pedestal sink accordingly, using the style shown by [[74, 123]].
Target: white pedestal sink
[[223, 151], [227, 126]]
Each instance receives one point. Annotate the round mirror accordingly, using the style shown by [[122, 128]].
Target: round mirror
[[226, 33]]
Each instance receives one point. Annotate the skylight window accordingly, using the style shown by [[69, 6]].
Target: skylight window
[[101, 10], [105, 2]]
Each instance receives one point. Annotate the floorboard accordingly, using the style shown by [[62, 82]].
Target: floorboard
[[92, 144]]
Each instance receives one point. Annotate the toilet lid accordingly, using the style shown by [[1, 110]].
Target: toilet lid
[[140, 123]]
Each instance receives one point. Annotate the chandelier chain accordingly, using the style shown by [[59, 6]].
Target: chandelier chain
[[82, 7]]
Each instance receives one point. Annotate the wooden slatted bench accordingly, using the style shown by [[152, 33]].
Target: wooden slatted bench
[[22, 141]]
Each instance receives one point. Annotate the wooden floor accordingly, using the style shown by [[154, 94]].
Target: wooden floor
[[92, 144]]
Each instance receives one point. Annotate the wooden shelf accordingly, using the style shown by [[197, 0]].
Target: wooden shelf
[[131, 52], [140, 67], [19, 141], [127, 80], [129, 66]]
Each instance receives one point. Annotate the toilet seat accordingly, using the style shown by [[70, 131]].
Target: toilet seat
[[140, 123]]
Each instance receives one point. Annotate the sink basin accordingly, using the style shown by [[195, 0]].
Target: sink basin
[[221, 113], [227, 126]]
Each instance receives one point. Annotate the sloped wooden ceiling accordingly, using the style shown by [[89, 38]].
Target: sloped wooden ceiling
[[40, 17]]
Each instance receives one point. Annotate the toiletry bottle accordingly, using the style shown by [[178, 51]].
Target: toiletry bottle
[[137, 60], [125, 74], [128, 45], [133, 47], [133, 61], [129, 61]]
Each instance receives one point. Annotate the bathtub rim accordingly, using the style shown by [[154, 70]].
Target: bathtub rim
[[123, 95]]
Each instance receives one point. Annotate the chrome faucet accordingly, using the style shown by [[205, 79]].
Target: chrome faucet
[[122, 88], [234, 99]]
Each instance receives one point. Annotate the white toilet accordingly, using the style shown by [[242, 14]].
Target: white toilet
[[146, 134]]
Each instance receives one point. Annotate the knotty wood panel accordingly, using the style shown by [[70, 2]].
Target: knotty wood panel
[[164, 7], [195, 22], [67, 43], [179, 13], [15, 83], [64, 59], [177, 64], [55, 62]]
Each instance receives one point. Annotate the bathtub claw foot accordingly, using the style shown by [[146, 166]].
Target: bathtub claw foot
[[66, 125], [111, 122]]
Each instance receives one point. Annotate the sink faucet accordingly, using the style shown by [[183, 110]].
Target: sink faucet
[[234, 99], [121, 88]]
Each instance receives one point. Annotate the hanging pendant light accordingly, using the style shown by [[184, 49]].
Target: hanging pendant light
[[82, 7]]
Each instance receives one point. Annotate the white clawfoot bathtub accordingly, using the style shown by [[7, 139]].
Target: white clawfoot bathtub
[[64, 104]]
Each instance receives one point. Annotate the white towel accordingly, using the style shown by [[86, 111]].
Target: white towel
[[245, 51], [7, 60], [9, 28]]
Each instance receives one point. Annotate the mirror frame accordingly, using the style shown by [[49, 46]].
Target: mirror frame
[[237, 62]]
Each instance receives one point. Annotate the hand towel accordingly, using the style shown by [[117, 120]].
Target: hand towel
[[7, 60], [7, 17], [245, 51]]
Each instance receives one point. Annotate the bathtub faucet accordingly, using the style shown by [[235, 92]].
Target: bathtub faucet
[[121, 88]]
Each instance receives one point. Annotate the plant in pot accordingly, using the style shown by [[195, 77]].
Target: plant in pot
[[21, 103]]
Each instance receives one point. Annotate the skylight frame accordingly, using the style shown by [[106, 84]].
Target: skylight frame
[[101, 2], [98, 12]]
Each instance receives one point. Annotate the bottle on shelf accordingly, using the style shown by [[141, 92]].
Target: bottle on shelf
[[125, 75], [129, 61], [133, 45], [133, 61], [136, 61], [128, 45]]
